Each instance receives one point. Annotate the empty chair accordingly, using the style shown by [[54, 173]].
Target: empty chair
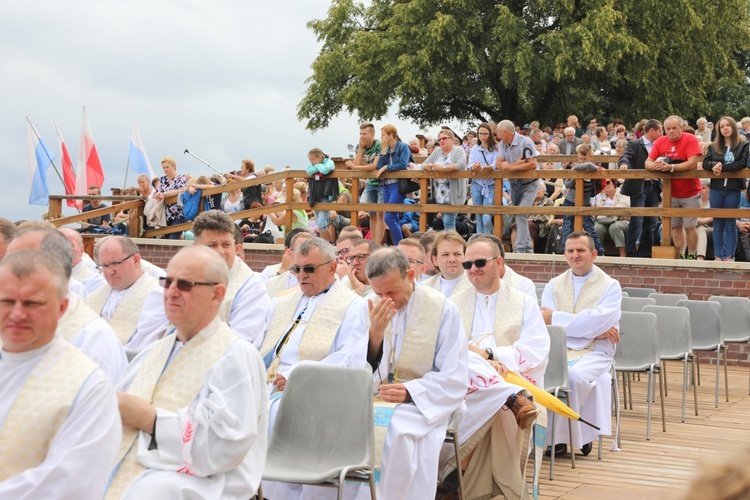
[[638, 351], [324, 432], [636, 304], [638, 292], [705, 328], [675, 343], [556, 383], [735, 318], [625, 294], [539, 292], [668, 299]]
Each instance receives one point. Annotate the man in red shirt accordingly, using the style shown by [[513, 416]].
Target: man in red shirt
[[678, 152]]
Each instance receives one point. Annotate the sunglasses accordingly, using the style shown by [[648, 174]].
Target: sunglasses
[[480, 263], [182, 285], [307, 269]]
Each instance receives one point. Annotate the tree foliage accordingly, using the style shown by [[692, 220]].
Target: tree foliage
[[475, 60]]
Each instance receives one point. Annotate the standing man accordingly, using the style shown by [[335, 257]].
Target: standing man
[[642, 192], [366, 159], [447, 256], [59, 425], [678, 152], [194, 410], [586, 302], [95, 204], [518, 153], [570, 143]]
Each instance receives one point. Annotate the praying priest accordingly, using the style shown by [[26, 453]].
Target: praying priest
[[194, 410], [59, 425]]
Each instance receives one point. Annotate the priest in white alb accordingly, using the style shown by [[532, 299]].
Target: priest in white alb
[[447, 255], [505, 332], [508, 275], [59, 424], [130, 301], [587, 303], [84, 268], [284, 279], [194, 410]]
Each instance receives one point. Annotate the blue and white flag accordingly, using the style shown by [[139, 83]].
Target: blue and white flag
[[40, 158], [137, 157]]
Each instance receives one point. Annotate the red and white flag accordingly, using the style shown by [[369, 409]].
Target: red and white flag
[[69, 176], [89, 171]]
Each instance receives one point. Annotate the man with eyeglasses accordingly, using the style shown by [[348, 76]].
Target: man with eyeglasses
[[285, 279], [415, 253], [246, 300], [417, 348], [508, 275], [505, 332], [587, 303], [356, 259], [447, 255], [194, 405], [343, 246], [130, 301], [286, 260]]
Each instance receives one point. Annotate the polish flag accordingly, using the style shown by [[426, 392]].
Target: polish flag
[[69, 176], [89, 172]]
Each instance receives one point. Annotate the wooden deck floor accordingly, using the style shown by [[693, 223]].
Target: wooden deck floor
[[663, 467]]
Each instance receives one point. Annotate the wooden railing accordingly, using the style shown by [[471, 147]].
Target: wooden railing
[[581, 209]]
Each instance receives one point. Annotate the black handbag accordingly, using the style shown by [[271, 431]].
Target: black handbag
[[406, 186]]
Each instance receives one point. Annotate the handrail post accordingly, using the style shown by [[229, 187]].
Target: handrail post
[[289, 199], [578, 222], [498, 202], [54, 210], [135, 220], [666, 220], [354, 191], [423, 201]]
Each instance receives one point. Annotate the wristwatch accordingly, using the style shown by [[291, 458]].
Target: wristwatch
[[490, 354], [672, 169]]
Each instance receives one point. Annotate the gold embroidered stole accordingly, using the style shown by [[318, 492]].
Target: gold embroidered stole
[[82, 271], [563, 294], [42, 407], [124, 321], [320, 330], [239, 274], [420, 338], [76, 316], [277, 284], [512, 278], [170, 388], [508, 313]]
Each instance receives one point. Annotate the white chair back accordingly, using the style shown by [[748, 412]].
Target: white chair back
[[636, 304], [668, 299]]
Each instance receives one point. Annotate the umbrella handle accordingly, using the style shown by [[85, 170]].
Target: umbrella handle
[[588, 423]]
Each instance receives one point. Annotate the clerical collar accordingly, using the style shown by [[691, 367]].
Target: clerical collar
[[446, 280], [585, 275], [19, 357]]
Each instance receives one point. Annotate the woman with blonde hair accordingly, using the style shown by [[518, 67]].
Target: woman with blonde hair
[[394, 156]]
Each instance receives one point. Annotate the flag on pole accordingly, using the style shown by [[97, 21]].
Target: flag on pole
[[40, 158], [69, 176], [137, 157], [89, 171]]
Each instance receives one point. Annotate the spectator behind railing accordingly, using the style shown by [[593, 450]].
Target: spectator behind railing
[[299, 217], [394, 156], [322, 190], [171, 184], [482, 159], [233, 201], [611, 225], [726, 154], [447, 158], [705, 226], [103, 220], [585, 155], [144, 186]]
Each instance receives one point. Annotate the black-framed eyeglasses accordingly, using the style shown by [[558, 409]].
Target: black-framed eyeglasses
[[183, 285], [480, 263], [342, 252], [415, 261], [360, 257], [308, 269], [104, 267]]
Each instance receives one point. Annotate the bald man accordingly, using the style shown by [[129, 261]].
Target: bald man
[[84, 268]]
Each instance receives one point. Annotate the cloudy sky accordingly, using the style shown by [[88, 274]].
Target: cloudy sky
[[222, 78]]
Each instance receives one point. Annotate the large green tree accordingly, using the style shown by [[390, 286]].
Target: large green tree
[[475, 60]]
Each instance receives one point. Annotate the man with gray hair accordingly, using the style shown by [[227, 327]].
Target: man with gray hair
[[131, 299], [59, 424], [418, 351], [84, 268], [8, 231], [80, 325], [517, 153], [194, 410]]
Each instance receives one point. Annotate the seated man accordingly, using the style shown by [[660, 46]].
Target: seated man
[[357, 257], [447, 255], [415, 253], [286, 280], [286, 260], [80, 324], [194, 413], [508, 275], [419, 356], [129, 300], [587, 302], [506, 332], [246, 300], [84, 268], [101, 221], [343, 245], [59, 424]]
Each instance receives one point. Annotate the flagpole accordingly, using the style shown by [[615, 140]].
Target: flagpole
[[47, 153], [127, 167]]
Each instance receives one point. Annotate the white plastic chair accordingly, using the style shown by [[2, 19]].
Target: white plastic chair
[[668, 299], [735, 319], [636, 304], [675, 343], [556, 383], [706, 330], [638, 351], [638, 292], [324, 431]]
